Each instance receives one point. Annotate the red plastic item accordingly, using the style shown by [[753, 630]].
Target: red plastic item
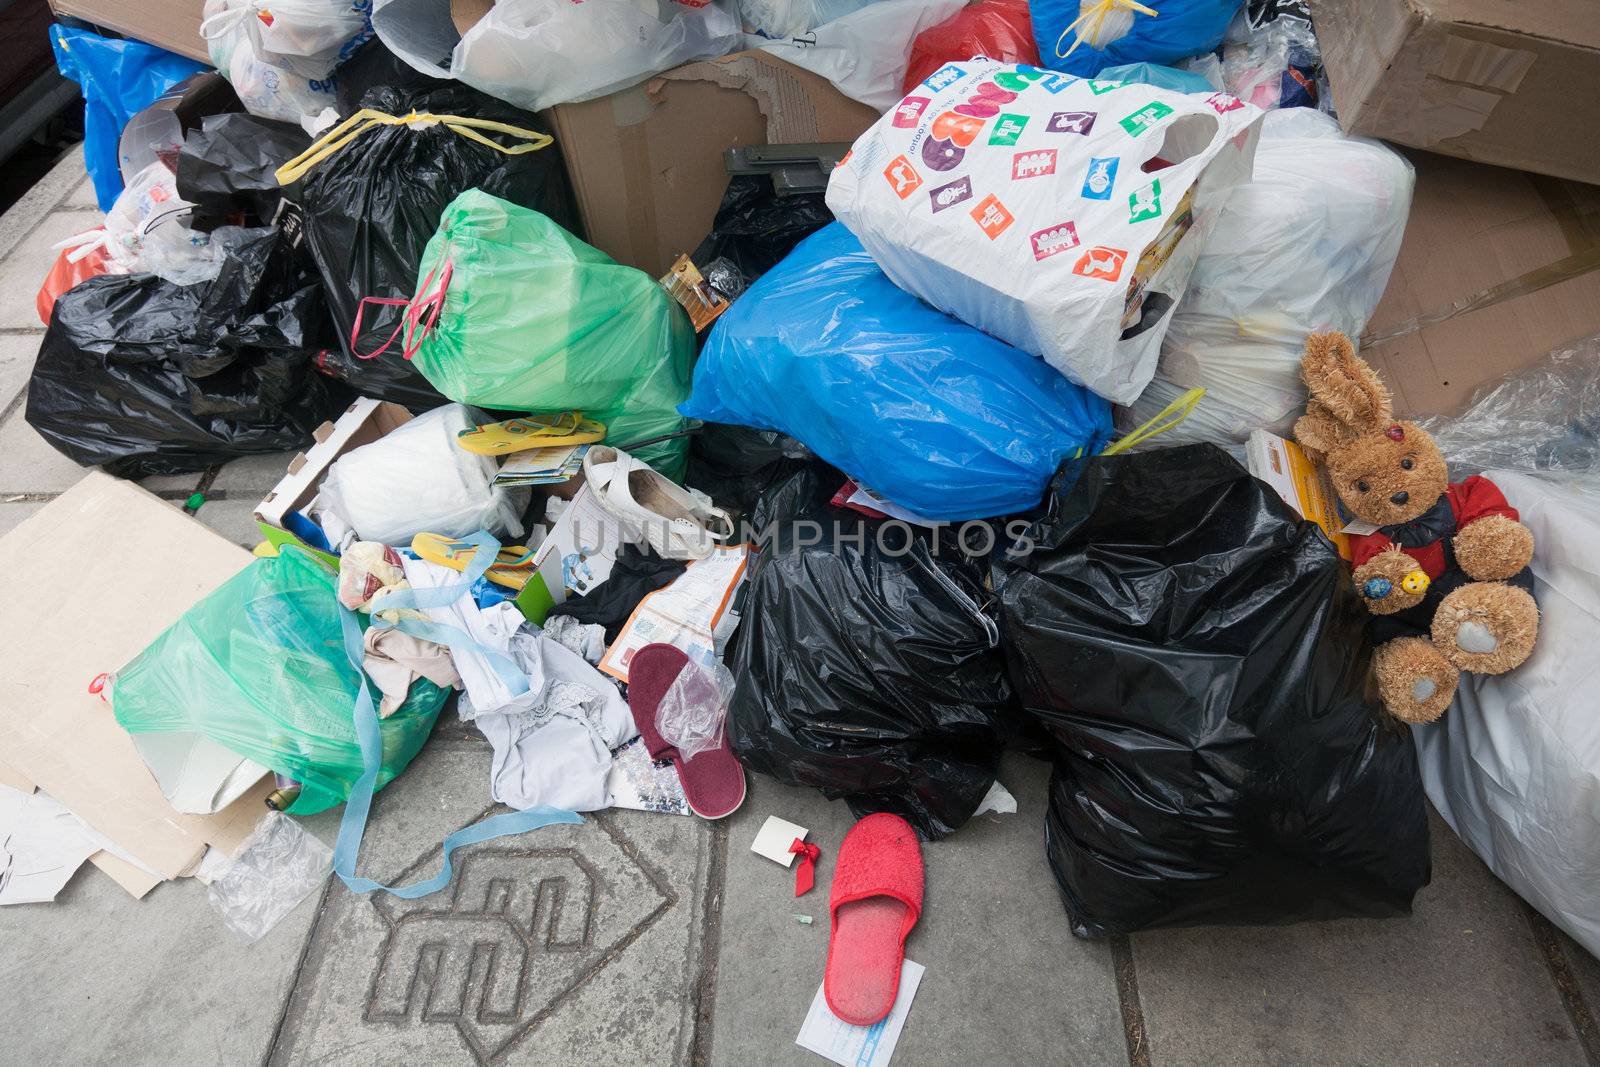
[[63, 276], [875, 901], [997, 29]]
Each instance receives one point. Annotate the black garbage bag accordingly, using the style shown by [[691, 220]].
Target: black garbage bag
[[868, 667], [754, 229], [228, 167], [145, 377], [736, 465], [1195, 651], [371, 206], [373, 65]]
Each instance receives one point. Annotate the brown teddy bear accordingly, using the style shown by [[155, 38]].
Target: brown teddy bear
[[1443, 567]]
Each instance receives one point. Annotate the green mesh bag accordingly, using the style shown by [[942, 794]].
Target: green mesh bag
[[259, 667], [515, 313]]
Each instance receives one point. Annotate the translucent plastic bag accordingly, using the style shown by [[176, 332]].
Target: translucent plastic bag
[[279, 865], [1307, 244], [998, 29], [1543, 420], [529, 318], [694, 708], [258, 667], [266, 83], [307, 38], [416, 479], [791, 18]]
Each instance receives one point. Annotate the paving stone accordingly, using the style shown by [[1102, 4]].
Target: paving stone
[[17, 353], [27, 462], [22, 270], [99, 977], [1586, 969], [233, 519], [82, 195], [1006, 982], [40, 200], [572, 944], [252, 476], [14, 511], [1461, 981]]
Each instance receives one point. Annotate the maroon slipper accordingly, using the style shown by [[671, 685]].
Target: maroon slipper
[[713, 781]]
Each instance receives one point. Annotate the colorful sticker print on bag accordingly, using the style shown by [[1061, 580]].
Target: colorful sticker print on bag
[[950, 195], [909, 110], [1080, 122], [1101, 176], [1033, 163], [902, 176], [944, 77], [1054, 240], [991, 216], [1145, 203], [1101, 262], [1146, 117], [1007, 128], [1222, 103]]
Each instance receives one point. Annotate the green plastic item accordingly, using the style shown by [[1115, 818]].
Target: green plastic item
[[259, 667], [533, 319]]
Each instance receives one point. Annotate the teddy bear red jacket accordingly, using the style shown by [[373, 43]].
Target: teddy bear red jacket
[[1423, 537]]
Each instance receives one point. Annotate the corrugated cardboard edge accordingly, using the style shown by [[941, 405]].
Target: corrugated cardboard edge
[[778, 88]]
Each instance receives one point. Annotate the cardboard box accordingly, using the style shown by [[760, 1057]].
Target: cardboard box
[[170, 24], [646, 163], [1498, 268], [104, 569], [1510, 82]]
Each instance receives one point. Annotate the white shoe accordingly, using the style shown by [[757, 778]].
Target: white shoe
[[678, 523]]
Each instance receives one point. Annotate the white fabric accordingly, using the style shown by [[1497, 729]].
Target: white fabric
[[864, 53], [1514, 764], [1306, 245], [1015, 199], [416, 479]]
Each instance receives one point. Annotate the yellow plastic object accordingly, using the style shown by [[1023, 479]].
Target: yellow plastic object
[[1160, 423], [367, 119], [1416, 583], [531, 431], [1094, 19], [512, 568]]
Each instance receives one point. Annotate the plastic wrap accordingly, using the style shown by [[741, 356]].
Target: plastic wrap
[[529, 318], [1514, 768], [1179, 81], [1195, 651], [1307, 244], [416, 479], [1276, 66], [936, 416], [792, 18], [277, 867], [1115, 33], [694, 708], [997, 29], [1542, 420], [868, 671], [256, 667], [372, 206]]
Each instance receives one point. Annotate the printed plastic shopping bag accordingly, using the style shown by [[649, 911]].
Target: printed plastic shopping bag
[[539, 53], [938, 417], [259, 668], [513, 312], [269, 84], [1306, 245], [1083, 37], [1062, 216]]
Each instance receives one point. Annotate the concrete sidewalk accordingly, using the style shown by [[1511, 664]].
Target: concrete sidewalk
[[650, 939]]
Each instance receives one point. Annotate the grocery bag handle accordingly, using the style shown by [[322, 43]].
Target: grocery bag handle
[[424, 305], [1164, 420], [370, 119], [1097, 15]]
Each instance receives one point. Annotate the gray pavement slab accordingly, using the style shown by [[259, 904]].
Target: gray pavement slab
[[27, 462], [23, 269], [568, 945], [14, 511], [64, 180], [1462, 980], [252, 476], [233, 518], [82, 194], [17, 352], [1006, 982]]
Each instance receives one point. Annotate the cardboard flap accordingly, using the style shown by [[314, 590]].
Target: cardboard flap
[[104, 569]]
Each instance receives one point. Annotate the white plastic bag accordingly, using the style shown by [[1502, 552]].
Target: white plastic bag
[[147, 232], [694, 707], [1514, 765], [304, 37], [865, 52], [268, 84], [279, 865], [416, 479], [539, 53], [791, 18], [1018, 200], [1306, 245]]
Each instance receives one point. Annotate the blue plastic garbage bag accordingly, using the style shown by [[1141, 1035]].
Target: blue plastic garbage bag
[[119, 79], [1179, 29], [938, 417], [1179, 81]]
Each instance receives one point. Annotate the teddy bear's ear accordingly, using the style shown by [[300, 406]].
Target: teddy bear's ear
[[1319, 433], [1341, 381]]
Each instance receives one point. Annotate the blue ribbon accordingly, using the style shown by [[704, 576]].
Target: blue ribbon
[[353, 825]]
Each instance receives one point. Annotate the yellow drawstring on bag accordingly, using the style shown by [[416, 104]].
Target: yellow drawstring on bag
[[1164, 420], [1096, 18], [368, 119]]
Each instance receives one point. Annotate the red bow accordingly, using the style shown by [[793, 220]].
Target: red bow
[[805, 875]]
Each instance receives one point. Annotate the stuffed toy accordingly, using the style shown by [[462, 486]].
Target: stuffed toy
[[1442, 566]]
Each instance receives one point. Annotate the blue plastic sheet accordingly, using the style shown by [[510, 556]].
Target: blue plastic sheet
[[1179, 29], [938, 417], [119, 78], [1179, 81]]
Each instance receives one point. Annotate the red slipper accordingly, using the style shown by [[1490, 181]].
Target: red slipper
[[713, 781], [875, 901]]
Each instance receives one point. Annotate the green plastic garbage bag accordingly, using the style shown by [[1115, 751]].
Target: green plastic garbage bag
[[529, 318], [259, 667]]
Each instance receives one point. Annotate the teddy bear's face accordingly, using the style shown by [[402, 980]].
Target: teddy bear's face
[[1389, 476]]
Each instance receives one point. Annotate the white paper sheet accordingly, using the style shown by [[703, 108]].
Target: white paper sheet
[[42, 845], [859, 1046], [775, 837]]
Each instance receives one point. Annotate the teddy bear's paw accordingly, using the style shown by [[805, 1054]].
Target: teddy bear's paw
[[1493, 547], [1415, 679], [1381, 581], [1486, 627]]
